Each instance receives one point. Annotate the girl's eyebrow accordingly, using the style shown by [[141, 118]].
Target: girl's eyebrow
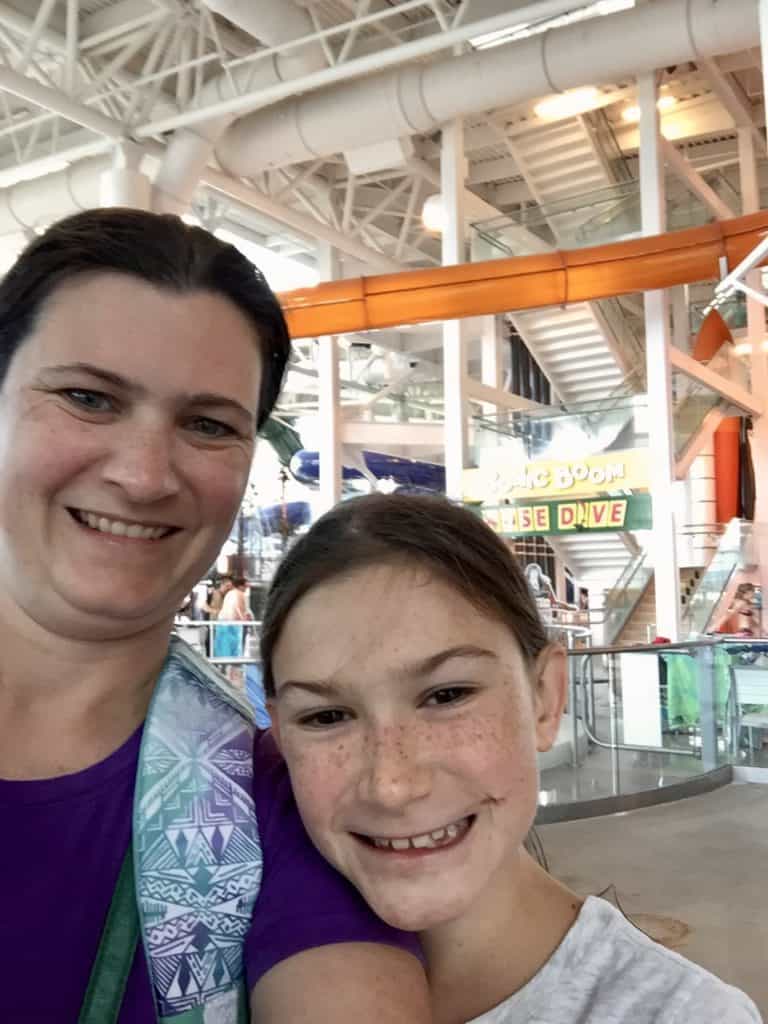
[[434, 661], [419, 668]]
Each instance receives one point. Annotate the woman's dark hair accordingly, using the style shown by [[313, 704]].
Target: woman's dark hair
[[158, 248], [428, 531]]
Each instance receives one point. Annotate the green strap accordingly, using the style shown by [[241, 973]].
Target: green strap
[[117, 949]]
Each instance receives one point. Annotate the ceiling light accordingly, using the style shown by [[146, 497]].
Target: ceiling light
[[666, 102], [434, 215], [567, 104], [744, 348]]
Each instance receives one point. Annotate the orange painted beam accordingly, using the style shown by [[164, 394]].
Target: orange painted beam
[[523, 282]]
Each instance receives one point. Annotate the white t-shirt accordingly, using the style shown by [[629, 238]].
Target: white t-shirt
[[605, 971]]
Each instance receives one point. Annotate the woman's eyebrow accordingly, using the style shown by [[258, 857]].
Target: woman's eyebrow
[[203, 398]]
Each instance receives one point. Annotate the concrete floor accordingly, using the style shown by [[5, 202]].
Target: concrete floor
[[698, 868]]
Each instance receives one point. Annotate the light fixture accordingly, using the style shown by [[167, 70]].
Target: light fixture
[[567, 104], [434, 215], [665, 103], [744, 348]]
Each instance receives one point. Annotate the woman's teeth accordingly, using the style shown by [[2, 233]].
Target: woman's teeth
[[121, 529], [426, 841]]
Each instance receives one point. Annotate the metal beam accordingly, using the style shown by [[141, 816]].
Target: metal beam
[[731, 95], [419, 48], [694, 181], [735, 393], [423, 435], [698, 441], [477, 392]]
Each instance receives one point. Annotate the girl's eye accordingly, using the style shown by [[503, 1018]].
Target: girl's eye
[[324, 719], [211, 428], [448, 695], [93, 401]]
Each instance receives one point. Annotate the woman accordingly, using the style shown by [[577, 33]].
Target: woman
[[411, 686], [153, 865]]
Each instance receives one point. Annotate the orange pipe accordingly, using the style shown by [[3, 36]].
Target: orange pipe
[[522, 282]]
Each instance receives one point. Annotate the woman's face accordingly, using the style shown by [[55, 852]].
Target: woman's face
[[410, 726], [127, 421]]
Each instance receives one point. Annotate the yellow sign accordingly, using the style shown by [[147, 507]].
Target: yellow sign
[[508, 479]]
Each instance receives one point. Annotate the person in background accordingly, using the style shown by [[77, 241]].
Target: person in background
[[153, 863], [738, 620], [229, 637], [216, 596], [411, 684]]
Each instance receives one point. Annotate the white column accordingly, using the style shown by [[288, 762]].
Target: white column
[[330, 397], [124, 184], [750, 203], [657, 341], [452, 176]]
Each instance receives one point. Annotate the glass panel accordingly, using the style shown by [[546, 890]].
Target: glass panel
[[592, 218], [587, 428], [691, 401], [727, 559], [622, 598]]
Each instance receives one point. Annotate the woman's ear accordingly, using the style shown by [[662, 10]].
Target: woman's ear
[[551, 691]]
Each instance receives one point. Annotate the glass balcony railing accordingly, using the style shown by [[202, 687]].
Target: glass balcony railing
[[621, 600], [592, 218], [587, 428], [731, 555]]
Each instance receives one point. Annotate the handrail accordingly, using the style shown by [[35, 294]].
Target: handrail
[[525, 282]]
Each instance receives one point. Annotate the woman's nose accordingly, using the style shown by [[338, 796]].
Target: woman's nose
[[142, 464]]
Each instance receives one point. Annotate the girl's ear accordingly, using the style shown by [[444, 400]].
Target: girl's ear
[[551, 691]]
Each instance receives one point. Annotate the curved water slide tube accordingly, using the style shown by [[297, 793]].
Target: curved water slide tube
[[522, 282]]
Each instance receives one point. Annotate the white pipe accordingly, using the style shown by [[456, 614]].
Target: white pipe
[[39, 202], [419, 98], [274, 22], [360, 66]]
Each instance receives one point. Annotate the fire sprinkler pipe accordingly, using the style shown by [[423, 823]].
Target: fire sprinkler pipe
[[525, 282]]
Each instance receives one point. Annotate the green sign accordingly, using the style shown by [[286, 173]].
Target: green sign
[[585, 515]]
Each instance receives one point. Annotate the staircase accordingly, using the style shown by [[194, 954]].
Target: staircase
[[640, 627]]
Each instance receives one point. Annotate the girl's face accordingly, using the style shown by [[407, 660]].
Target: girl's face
[[410, 725]]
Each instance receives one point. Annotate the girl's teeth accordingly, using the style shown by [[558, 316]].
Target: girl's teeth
[[427, 841]]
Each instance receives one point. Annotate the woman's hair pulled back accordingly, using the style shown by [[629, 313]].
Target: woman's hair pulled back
[[449, 541], [158, 248]]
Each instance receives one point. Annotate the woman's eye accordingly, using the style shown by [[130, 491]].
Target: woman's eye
[[93, 401], [448, 695], [324, 719], [211, 428]]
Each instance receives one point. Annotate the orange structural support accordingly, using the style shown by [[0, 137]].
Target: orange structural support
[[523, 282], [726, 444]]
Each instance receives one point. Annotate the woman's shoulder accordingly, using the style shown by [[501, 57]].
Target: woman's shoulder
[[606, 970]]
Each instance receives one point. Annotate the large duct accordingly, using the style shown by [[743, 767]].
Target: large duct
[[273, 22], [420, 98]]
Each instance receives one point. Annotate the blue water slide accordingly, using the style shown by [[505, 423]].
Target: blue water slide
[[408, 473]]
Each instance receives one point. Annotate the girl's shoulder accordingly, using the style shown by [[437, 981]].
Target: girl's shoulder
[[607, 971]]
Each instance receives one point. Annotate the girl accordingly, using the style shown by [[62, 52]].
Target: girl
[[411, 686]]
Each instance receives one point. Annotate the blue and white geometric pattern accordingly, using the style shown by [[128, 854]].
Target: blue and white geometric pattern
[[196, 842]]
